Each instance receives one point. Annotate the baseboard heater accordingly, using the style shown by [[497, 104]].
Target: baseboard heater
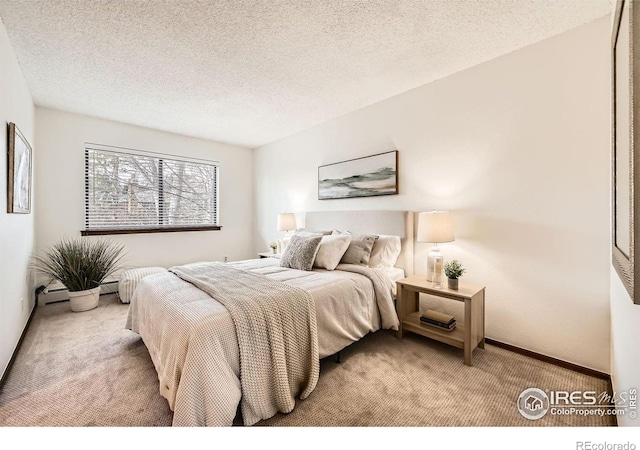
[[58, 293]]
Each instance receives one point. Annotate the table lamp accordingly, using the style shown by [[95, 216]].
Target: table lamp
[[286, 223], [435, 227]]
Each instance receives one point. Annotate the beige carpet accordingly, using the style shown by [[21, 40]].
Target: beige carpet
[[85, 369]]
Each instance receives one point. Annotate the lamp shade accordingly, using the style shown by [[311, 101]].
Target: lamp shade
[[286, 221], [435, 227]]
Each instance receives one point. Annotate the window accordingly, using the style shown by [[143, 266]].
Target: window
[[130, 191]]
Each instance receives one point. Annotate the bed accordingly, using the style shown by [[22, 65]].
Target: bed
[[196, 341]]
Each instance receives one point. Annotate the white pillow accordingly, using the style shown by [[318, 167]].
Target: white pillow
[[385, 252], [282, 243], [331, 250]]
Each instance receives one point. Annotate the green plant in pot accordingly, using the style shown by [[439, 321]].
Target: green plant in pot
[[274, 247], [81, 264], [453, 270]]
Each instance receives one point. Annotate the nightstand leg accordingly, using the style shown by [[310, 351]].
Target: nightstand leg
[[406, 304], [468, 344], [399, 296], [481, 344], [398, 311], [467, 355]]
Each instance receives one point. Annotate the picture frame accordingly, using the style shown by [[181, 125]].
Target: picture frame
[[367, 176], [19, 166], [625, 133]]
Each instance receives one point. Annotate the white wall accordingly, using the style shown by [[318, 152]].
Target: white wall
[[17, 235], [60, 189], [518, 149]]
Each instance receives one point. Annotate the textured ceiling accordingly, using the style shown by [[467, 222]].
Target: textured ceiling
[[252, 72]]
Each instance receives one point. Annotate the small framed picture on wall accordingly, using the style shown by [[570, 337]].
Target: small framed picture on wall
[[19, 172]]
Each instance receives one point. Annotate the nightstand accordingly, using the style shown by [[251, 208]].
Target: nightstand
[[270, 255], [468, 333]]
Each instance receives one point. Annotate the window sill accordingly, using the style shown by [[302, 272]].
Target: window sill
[[103, 232]]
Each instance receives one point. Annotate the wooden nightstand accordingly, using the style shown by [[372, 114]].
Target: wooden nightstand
[[468, 333], [270, 255]]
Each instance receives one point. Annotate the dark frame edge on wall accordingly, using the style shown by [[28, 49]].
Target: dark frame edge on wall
[[624, 265], [104, 232]]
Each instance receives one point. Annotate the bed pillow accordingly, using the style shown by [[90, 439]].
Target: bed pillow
[[331, 250], [300, 252], [385, 252], [282, 243], [359, 250]]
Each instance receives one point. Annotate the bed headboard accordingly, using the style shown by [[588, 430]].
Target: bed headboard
[[397, 223]]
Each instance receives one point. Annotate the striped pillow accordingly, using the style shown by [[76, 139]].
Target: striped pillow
[[129, 280]]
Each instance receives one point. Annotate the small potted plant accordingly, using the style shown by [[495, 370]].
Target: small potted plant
[[274, 247], [453, 270]]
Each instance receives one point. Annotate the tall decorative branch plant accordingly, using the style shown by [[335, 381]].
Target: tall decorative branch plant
[[81, 264]]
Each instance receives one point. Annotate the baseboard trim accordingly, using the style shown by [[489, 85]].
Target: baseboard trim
[[551, 360], [15, 351]]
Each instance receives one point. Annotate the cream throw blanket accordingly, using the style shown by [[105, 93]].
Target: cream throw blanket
[[277, 335]]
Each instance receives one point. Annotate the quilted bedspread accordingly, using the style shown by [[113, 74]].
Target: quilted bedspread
[[197, 348]]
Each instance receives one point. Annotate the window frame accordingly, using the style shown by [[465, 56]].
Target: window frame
[[151, 229]]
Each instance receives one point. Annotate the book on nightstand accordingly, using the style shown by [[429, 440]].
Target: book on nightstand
[[442, 326], [438, 319]]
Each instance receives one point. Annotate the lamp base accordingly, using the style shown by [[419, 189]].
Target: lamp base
[[437, 272], [432, 258]]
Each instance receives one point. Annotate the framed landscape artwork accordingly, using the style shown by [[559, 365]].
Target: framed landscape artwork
[[19, 172], [362, 177]]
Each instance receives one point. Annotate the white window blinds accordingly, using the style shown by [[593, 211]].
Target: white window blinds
[[133, 191]]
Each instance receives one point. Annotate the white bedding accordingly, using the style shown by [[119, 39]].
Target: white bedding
[[394, 274], [196, 353]]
